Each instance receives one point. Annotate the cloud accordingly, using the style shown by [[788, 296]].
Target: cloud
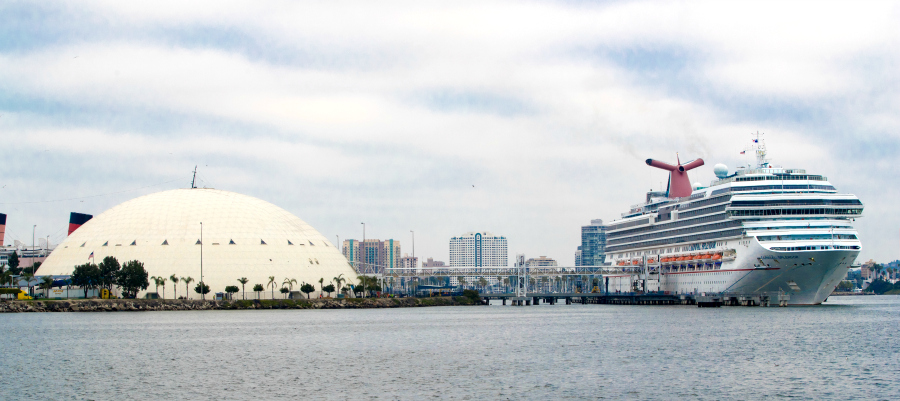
[[390, 112]]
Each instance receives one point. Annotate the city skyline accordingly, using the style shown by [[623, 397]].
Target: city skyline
[[528, 126]]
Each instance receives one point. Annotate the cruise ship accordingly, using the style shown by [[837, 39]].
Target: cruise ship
[[762, 229]]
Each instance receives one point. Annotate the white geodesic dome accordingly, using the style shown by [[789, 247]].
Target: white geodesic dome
[[242, 237]]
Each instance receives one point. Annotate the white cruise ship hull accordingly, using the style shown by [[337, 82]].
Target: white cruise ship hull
[[809, 277]]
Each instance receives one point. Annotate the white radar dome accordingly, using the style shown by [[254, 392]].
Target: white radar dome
[[721, 170], [698, 185]]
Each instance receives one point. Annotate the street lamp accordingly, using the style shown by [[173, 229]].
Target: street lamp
[[32, 248], [362, 247], [202, 294]]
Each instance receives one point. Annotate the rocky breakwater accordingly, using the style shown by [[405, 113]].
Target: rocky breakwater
[[140, 305]]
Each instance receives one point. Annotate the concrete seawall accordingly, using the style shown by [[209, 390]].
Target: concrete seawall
[[137, 305]]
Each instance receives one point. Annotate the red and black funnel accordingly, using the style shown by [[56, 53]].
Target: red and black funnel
[[76, 220], [2, 227]]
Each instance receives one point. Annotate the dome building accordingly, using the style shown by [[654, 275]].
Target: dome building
[[241, 237]]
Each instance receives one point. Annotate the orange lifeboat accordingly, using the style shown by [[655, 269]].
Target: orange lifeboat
[[679, 259], [621, 263], [651, 260], [717, 256], [704, 256]]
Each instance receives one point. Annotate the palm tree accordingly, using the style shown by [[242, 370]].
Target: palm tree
[[28, 276], [272, 284], [156, 280], [362, 284], [338, 280], [243, 280], [289, 282], [321, 285], [483, 283], [162, 281], [462, 281], [187, 280], [506, 283], [174, 279], [46, 285], [258, 288]]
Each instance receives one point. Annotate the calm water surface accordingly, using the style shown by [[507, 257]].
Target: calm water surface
[[848, 348]]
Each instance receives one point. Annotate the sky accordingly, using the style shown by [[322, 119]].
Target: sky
[[526, 119]]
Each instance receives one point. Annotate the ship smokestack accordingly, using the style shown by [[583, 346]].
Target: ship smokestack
[[2, 228], [76, 220], [679, 183]]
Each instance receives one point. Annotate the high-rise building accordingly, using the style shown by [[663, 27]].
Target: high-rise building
[[478, 249], [372, 255], [433, 263], [578, 256], [593, 243], [541, 261], [409, 262]]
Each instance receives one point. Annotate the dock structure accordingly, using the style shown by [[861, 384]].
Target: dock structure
[[650, 298], [521, 285]]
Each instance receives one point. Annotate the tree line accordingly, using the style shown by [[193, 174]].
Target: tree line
[[130, 277]]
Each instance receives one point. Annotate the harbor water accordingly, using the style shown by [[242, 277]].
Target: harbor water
[[847, 348]]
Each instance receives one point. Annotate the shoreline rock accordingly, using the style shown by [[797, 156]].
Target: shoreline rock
[[144, 305]]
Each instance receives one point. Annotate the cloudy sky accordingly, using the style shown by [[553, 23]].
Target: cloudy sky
[[526, 119]]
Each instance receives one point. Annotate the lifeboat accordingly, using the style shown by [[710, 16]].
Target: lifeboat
[[621, 263], [717, 256], [635, 262], [679, 259], [651, 260], [705, 256]]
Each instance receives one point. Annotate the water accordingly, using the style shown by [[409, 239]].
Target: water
[[845, 349]]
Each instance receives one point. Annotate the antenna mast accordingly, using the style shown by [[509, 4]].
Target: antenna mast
[[760, 147], [193, 180]]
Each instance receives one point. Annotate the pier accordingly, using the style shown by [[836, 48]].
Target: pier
[[650, 298]]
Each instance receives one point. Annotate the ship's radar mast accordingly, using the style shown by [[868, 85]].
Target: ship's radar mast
[[759, 147]]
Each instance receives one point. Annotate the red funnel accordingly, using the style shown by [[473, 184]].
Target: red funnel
[[679, 183]]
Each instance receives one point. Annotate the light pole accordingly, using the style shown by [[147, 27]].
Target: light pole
[[362, 247], [202, 294], [32, 248]]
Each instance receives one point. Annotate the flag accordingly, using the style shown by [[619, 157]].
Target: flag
[[92, 255], [743, 151]]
